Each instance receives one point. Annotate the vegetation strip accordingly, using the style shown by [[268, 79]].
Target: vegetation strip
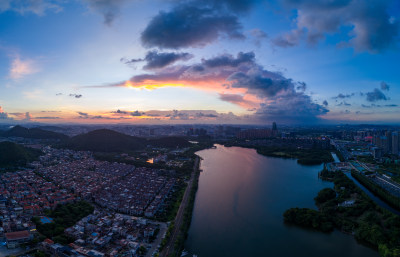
[[349, 209], [376, 189]]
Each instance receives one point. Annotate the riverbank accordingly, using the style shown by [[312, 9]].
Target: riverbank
[[177, 232], [348, 209]]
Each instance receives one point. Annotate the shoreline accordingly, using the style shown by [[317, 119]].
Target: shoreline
[[348, 209], [181, 224]]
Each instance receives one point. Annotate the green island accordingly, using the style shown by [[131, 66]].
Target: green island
[[347, 208]]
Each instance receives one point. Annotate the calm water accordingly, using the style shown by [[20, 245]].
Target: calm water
[[240, 202]]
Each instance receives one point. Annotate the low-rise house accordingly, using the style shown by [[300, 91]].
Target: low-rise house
[[14, 239]]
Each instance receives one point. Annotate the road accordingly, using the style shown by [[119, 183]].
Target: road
[[388, 185], [156, 243], [169, 248]]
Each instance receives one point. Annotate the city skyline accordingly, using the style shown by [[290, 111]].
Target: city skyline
[[160, 62]]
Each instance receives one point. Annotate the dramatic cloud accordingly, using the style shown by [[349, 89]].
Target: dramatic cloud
[[261, 82], [46, 118], [289, 39], [239, 80], [120, 112], [38, 7], [209, 115], [325, 103], [236, 99], [301, 86], [28, 116], [294, 107], [229, 60], [378, 105], [344, 103], [137, 113], [385, 86], [110, 9], [343, 96], [75, 95], [193, 115], [376, 95], [258, 36], [83, 115], [371, 27], [193, 24], [155, 60], [4, 115], [22, 67]]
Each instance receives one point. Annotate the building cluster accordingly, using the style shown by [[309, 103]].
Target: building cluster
[[106, 234], [139, 193], [25, 194], [294, 143], [61, 176], [377, 143], [387, 142], [116, 186], [87, 176]]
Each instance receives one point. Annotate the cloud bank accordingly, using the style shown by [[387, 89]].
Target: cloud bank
[[370, 26], [239, 80]]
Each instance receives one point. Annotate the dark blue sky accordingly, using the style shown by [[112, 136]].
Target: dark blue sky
[[217, 61]]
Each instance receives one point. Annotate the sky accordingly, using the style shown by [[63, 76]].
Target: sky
[[200, 61]]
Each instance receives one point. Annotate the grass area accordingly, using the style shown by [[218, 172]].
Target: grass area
[[167, 236], [64, 216], [369, 223]]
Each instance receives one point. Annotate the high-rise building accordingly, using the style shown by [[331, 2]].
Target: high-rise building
[[395, 143], [274, 129], [385, 145], [377, 152], [388, 135]]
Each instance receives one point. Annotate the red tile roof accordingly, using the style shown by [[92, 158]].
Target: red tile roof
[[17, 235]]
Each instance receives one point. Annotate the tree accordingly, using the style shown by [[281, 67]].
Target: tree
[[325, 195]]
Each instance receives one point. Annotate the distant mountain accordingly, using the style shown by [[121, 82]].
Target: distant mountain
[[35, 133], [52, 128], [105, 140], [14, 155]]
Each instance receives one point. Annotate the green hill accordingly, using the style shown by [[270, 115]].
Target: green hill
[[105, 140], [15, 155], [35, 133]]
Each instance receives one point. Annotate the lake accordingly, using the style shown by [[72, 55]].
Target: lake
[[239, 205]]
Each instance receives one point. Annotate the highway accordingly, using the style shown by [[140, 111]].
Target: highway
[[390, 186], [169, 248]]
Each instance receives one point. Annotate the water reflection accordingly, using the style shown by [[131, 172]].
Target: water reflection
[[239, 206]]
